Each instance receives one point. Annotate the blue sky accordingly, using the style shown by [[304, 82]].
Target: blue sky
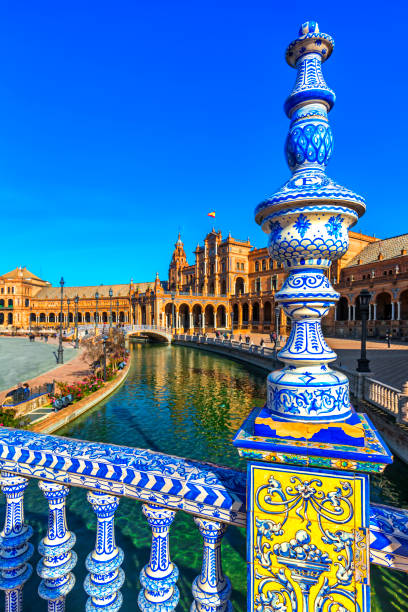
[[123, 122]]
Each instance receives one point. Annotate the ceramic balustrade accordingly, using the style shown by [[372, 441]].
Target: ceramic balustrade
[[166, 484]]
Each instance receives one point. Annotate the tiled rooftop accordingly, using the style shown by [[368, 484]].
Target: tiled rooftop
[[389, 248], [53, 293]]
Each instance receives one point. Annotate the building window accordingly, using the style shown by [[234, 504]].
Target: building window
[[257, 266], [274, 283], [12, 290], [237, 265], [223, 266], [271, 264], [2, 289], [258, 285], [27, 303], [242, 266]]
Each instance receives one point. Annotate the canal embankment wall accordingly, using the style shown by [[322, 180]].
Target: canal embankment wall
[[395, 434], [54, 421]]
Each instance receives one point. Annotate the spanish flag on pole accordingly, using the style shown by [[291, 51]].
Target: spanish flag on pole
[[211, 214]]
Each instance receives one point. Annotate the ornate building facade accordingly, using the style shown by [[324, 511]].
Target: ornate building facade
[[230, 284]]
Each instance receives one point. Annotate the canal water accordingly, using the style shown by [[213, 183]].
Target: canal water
[[189, 403]]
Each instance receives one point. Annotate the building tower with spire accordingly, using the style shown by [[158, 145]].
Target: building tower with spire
[[177, 264]]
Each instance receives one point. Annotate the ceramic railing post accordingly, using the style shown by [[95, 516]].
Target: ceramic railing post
[[159, 576], [308, 524], [15, 550], [106, 578], [211, 589], [58, 558]]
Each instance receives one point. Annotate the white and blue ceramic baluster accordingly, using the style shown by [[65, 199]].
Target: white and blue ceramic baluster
[[15, 550], [211, 589], [106, 578], [56, 549], [159, 576], [307, 220]]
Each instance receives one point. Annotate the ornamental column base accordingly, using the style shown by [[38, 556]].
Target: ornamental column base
[[308, 517]]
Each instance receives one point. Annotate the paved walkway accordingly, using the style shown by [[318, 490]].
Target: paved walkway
[[388, 365], [73, 371]]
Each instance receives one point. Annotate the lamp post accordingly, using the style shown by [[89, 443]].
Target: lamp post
[[133, 300], [110, 309], [76, 300], [104, 339], [29, 323], [363, 364], [96, 310], [68, 303], [117, 312], [60, 352], [277, 317], [173, 308]]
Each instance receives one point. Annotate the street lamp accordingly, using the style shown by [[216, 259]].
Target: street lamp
[[173, 297], [133, 300], [68, 303], [363, 364], [96, 310], [76, 300], [60, 352], [110, 309], [104, 339], [277, 317]]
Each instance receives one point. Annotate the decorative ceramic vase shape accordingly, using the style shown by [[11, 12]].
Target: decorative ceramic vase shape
[[307, 220]]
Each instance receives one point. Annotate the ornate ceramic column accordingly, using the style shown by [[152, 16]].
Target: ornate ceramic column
[[159, 576], [307, 526], [211, 589], [58, 558], [106, 577], [15, 550]]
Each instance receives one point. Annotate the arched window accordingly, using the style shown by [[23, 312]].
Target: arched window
[[383, 307], [51, 318], [79, 317], [245, 313], [42, 317], [257, 266], [264, 264], [10, 303], [342, 309], [239, 286], [255, 312], [1, 303], [27, 302], [87, 317]]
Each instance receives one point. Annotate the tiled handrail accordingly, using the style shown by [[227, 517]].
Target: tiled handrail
[[165, 484]]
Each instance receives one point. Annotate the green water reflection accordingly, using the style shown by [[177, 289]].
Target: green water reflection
[[189, 403]]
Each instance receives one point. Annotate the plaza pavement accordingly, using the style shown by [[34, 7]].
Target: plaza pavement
[[388, 365], [73, 371]]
